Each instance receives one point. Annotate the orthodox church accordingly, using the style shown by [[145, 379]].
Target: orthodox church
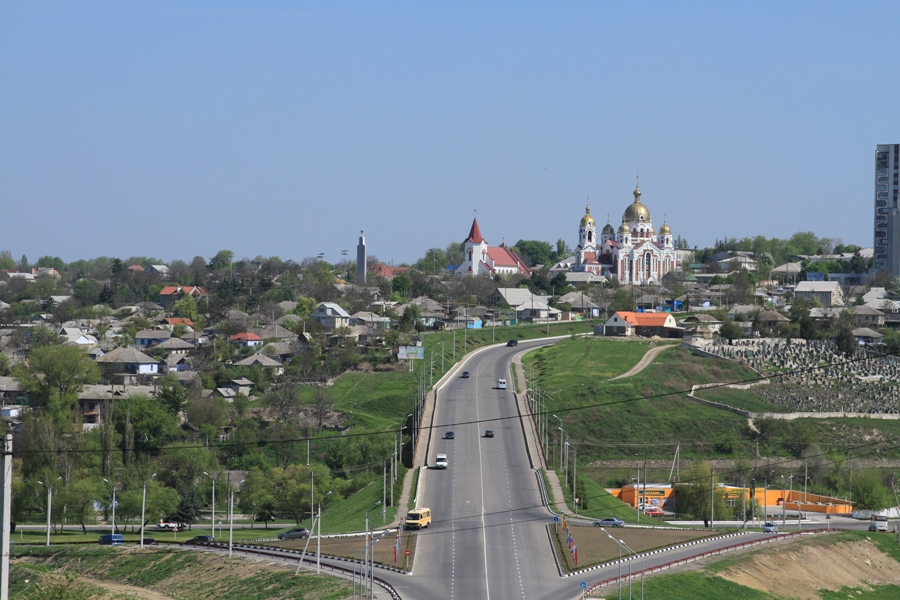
[[481, 259], [634, 254]]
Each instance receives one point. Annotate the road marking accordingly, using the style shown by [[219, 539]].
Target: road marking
[[487, 585]]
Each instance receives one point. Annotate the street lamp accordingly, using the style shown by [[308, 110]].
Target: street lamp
[[642, 568], [144, 507], [619, 578], [319, 536], [213, 517], [49, 503], [113, 504], [562, 435]]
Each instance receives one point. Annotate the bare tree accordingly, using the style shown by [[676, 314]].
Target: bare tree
[[322, 405]]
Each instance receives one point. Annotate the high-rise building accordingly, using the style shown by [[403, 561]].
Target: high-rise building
[[886, 248]]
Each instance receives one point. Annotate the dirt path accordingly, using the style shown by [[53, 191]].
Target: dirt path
[[644, 362]]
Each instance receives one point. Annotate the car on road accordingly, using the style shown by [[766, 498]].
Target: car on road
[[171, 525], [419, 518], [501, 384], [465, 374], [488, 433], [872, 527], [654, 511], [111, 539], [149, 542], [200, 540], [609, 522], [298, 533], [512, 343], [449, 436], [441, 462], [770, 527]]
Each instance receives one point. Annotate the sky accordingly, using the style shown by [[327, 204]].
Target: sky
[[178, 129]]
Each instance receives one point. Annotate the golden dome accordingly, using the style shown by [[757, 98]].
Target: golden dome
[[608, 229], [636, 211], [664, 230], [587, 220], [624, 228]]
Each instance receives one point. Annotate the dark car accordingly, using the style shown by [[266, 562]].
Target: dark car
[[465, 375], [488, 433], [200, 540], [449, 436], [512, 343], [111, 539], [609, 522], [149, 542], [299, 533]]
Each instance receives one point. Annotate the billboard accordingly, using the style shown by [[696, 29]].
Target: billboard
[[411, 352]]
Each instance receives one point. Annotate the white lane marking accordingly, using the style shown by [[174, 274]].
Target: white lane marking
[[487, 586]]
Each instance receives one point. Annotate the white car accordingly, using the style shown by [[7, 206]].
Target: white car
[[501, 384], [441, 462]]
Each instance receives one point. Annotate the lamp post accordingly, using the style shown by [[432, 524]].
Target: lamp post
[[642, 568], [637, 490], [213, 517], [113, 504], [50, 502], [144, 507], [562, 435], [319, 536], [619, 578]]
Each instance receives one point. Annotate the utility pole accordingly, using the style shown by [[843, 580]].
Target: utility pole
[[712, 495], [6, 490]]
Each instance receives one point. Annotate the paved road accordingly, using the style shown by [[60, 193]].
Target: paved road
[[488, 518]]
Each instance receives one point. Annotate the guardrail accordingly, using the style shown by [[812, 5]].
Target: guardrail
[[708, 553]]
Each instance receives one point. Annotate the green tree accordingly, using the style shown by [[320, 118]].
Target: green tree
[[534, 252], [401, 285], [695, 493], [868, 491], [171, 394], [186, 307], [730, 330], [55, 375], [145, 426], [222, 260]]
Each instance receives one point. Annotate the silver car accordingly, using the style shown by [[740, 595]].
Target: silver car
[[300, 533]]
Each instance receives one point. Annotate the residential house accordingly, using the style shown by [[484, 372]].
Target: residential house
[[74, 335], [150, 338], [169, 294], [628, 324], [382, 270], [128, 360], [158, 269], [246, 339], [770, 319], [11, 392], [330, 316], [92, 399], [825, 293], [868, 316], [867, 336], [702, 319], [370, 319], [261, 360]]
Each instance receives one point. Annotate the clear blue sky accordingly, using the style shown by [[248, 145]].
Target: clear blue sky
[[176, 129]]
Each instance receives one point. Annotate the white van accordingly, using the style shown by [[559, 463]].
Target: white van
[[501, 384], [441, 462]]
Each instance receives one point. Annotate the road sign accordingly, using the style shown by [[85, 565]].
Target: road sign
[[583, 585], [556, 519], [408, 552]]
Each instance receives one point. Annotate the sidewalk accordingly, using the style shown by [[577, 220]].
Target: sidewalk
[[404, 499]]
